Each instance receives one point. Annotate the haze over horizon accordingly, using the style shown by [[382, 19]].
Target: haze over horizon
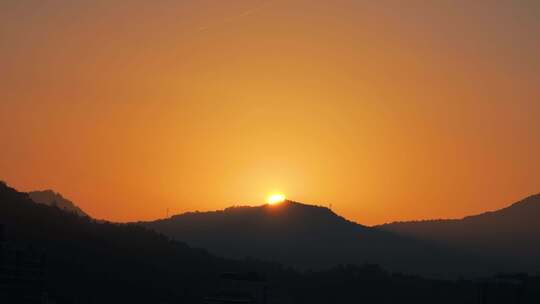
[[386, 111]]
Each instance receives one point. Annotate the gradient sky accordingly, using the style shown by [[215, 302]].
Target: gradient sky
[[388, 110]]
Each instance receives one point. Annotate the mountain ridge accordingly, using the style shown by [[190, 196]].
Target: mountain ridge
[[80, 260], [51, 198], [520, 203], [512, 232], [115, 263], [300, 235]]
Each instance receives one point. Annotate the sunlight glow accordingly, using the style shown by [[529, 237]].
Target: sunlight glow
[[275, 198]]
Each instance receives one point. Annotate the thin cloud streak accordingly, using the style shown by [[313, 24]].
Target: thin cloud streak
[[249, 12]]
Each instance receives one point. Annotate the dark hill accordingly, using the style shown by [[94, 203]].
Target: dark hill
[[105, 262], [512, 233], [51, 198], [80, 260], [302, 235]]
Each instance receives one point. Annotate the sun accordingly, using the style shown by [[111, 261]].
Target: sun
[[275, 198]]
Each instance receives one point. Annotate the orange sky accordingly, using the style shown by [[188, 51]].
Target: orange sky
[[386, 110]]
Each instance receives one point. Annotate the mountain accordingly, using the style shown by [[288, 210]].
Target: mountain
[[51, 198], [305, 236], [512, 233], [80, 260], [46, 252]]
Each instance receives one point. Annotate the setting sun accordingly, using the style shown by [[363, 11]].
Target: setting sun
[[275, 198]]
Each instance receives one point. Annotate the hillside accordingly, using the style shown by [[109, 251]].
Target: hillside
[[84, 261], [51, 198], [114, 263], [512, 233], [304, 236]]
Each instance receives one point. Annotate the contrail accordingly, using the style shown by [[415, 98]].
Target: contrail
[[262, 5], [245, 13]]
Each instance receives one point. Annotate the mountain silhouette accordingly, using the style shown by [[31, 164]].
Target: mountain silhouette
[[302, 235], [51, 198], [512, 233], [49, 253], [100, 262]]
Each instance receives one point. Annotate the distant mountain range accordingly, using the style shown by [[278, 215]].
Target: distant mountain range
[[305, 236], [512, 233], [308, 236], [86, 261], [51, 198], [311, 237], [76, 259]]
